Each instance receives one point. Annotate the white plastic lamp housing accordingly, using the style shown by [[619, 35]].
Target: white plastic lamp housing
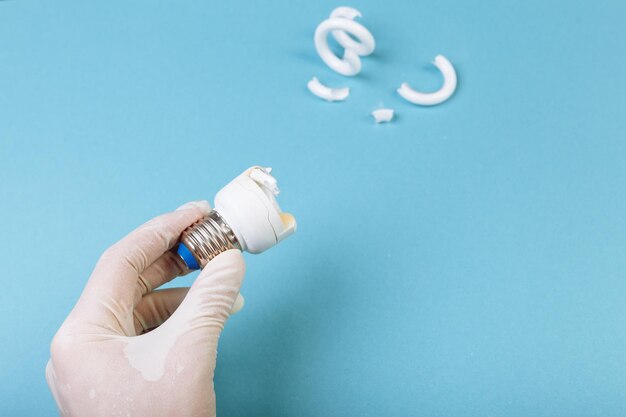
[[248, 205]]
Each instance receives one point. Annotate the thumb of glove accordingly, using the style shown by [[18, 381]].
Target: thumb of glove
[[208, 304], [194, 328]]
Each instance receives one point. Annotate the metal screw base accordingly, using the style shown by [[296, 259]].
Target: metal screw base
[[209, 237]]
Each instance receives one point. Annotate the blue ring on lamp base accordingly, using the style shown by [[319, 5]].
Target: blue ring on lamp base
[[187, 257]]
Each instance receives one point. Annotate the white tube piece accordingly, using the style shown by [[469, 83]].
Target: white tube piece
[[327, 93], [439, 96], [383, 115], [341, 24]]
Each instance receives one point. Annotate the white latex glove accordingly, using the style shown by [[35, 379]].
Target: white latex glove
[[104, 363]]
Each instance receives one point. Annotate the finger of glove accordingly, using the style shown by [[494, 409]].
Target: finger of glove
[[114, 287], [240, 302], [116, 276], [156, 307], [210, 300], [163, 270]]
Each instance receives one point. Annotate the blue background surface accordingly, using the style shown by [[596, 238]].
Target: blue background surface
[[467, 259]]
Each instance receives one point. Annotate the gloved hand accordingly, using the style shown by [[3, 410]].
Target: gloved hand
[[107, 361]]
